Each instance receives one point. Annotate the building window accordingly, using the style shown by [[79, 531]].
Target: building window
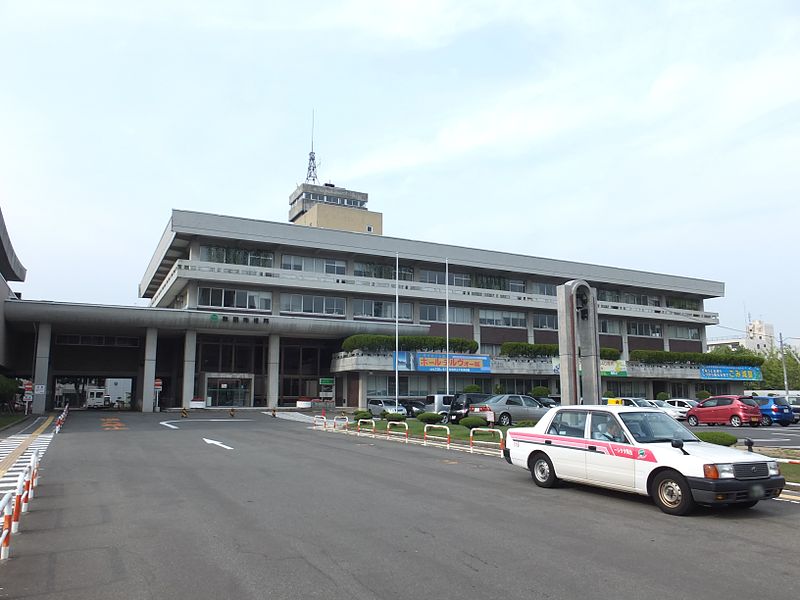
[[428, 276], [644, 329], [234, 298], [679, 390], [502, 318], [379, 309], [461, 280], [411, 386], [490, 349], [330, 266], [435, 313], [680, 332], [369, 228], [610, 327], [544, 289], [308, 304], [626, 389], [714, 388], [684, 303], [545, 321], [236, 256], [379, 271]]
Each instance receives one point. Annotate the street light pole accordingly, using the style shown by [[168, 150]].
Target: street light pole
[[396, 329], [783, 363], [447, 326]]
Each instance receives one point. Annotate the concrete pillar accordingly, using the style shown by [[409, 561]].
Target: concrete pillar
[[273, 370], [665, 332], [624, 330], [529, 323], [149, 376], [189, 360], [703, 339], [362, 391], [41, 373], [476, 326]]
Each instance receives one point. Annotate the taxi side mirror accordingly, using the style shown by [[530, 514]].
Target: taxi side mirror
[[678, 443]]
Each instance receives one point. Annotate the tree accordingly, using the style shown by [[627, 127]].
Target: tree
[[472, 388], [662, 396], [8, 389], [540, 391], [772, 371]]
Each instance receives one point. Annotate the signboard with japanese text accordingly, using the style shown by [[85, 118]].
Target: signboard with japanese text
[[731, 373], [436, 363]]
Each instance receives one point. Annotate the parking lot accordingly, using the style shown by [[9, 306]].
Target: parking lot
[[258, 507]]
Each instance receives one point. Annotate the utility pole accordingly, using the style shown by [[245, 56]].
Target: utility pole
[[783, 363]]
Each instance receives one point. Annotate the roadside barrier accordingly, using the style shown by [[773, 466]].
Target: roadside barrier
[[62, 417], [320, 421], [485, 443], [5, 537], [397, 434], [365, 423], [341, 422], [15, 504], [439, 439]]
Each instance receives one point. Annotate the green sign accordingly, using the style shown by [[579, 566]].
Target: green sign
[[214, 317], [326, 380]]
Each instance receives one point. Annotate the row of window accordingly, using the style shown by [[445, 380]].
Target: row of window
[[73, 339], [264, 258], [429, 313], [330, 199]]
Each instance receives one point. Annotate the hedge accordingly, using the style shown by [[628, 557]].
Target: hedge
[[540, 392], [717, 437], [525, 350], [386, 343], [661, 357], [362, 414], [392, 416], [429, 418], [473, 422]]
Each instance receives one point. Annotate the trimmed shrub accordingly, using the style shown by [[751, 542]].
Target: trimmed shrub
[[473, 422], [430, 343], [498, 389], [662, 396], [429, 418], [717, 437], [525, 350], [702, 395], [526, 423], [540, 391], [472, 389], [662, 357], [362, 414], [610, 353], [391, 416]]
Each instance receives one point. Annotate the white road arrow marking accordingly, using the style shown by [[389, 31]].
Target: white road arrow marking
[[216, 443], [171, 426]]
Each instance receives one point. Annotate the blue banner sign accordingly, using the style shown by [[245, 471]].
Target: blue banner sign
[[731, 373], [436, 363]]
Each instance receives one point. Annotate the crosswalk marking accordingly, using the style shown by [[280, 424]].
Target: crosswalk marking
[[8, 482]]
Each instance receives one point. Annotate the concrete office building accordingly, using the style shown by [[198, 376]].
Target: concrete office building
[[253, 313]]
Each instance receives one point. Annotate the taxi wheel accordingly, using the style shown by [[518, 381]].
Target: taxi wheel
[[766, 420], [542, 471], [692, 420], [671, 493], [736, 421]]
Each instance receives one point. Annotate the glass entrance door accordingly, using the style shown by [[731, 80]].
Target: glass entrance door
[[228, 391]]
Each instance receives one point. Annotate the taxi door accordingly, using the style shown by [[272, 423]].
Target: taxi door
[[608, 461], [566, 445]]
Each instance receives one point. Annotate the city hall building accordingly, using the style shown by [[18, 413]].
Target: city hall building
[[253, 313]]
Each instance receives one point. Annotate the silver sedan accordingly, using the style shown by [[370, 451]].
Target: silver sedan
[[505, 409]]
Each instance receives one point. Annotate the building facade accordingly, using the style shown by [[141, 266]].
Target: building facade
[[253, 313]]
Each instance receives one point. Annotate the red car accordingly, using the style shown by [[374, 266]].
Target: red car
[[725, 410]]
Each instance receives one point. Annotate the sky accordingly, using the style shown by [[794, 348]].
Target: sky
[[661, 136]]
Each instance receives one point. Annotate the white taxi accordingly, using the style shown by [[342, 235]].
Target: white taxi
[[640, 450]]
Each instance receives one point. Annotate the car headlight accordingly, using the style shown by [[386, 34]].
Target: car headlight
[[718, 471], [773, 467]]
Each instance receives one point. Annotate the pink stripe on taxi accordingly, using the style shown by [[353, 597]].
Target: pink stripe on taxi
[[621, 450]]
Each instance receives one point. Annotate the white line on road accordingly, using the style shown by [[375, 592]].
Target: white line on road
[[216, 443], [169, 423], [770, 439]]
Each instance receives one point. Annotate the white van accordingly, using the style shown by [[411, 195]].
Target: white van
[[438, 403], [97, 399]]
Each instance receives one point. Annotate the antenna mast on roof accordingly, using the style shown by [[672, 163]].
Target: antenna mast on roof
[[311, 175]]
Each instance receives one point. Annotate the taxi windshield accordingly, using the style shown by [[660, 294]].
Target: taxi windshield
[[651, 427]]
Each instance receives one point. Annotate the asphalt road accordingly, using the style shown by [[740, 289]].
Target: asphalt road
[[130, 509]]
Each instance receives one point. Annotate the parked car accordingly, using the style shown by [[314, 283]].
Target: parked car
[[682, 404], [378, 405], [794, 401], [438, 403], [547, 401], [656, 457], [459, 407], [723, 410], [505, 409], [413, 407], [673, 412], [774, 409]]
